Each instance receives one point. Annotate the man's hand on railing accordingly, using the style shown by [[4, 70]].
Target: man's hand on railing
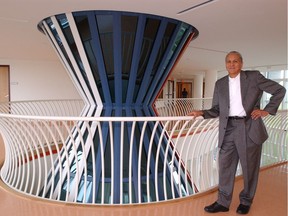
[[196, 113]]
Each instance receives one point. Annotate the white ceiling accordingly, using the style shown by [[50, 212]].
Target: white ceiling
[[256, 28]]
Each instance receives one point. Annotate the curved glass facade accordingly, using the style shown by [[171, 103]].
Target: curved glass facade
[[118, 61]]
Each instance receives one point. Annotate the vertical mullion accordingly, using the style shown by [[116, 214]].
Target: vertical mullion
[[155, 50], [72, 59], [64, 61], [84, 59], [97, 50], [135, 58], [117, 52], [155, 84]]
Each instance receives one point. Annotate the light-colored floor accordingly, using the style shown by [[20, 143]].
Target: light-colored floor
[[270, 200]]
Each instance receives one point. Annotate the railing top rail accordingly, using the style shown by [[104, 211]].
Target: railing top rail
[[167, 99], [102, 119], [36, 101]]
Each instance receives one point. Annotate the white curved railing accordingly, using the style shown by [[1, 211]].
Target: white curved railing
[[34, 145], [181, 106], [275, 148], [44, 108]]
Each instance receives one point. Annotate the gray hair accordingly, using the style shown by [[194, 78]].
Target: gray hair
[[236, 53]]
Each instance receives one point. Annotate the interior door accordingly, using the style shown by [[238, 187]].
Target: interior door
[[4, 84], [188, 88]]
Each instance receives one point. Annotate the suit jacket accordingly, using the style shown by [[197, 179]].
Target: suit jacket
[[252, 83]]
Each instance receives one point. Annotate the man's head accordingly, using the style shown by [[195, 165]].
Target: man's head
[[234, 63]]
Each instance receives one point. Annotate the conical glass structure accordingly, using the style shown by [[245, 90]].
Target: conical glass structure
[[119, 62]]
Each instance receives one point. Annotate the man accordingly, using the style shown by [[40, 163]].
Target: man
[[184, 93], [236, 101]]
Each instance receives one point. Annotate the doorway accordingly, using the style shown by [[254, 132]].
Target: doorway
[[184, 89], [4, 83]]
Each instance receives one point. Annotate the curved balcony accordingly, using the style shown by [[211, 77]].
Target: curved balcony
[[36, 142]]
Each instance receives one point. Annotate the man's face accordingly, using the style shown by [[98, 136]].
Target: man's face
[[233, 64]]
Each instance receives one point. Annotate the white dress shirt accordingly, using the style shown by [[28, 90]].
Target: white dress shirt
[[236, 107]]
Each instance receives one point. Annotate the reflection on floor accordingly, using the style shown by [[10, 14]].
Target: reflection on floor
[[270, 200]]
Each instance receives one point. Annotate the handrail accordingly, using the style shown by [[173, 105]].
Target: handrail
[[180, 106], [72, 158], [43, 107]]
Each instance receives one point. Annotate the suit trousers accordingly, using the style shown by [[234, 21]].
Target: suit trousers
[[237, 146]]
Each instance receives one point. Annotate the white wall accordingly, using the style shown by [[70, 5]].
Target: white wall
[[39, 80]]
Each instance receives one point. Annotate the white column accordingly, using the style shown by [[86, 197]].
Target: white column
[[198, 91], [210, 79], [198, 86]]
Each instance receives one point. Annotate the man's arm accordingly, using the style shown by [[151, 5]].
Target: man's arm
[[275, 89]]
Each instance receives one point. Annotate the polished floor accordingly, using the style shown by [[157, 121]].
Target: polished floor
[[270, 200]]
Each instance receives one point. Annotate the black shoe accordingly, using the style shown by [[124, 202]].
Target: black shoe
[[215, 207], [243, 209]]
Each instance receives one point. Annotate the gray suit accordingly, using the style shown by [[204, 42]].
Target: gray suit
[[246, 142]]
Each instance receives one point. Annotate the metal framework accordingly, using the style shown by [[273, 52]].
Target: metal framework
[[118, 61]]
